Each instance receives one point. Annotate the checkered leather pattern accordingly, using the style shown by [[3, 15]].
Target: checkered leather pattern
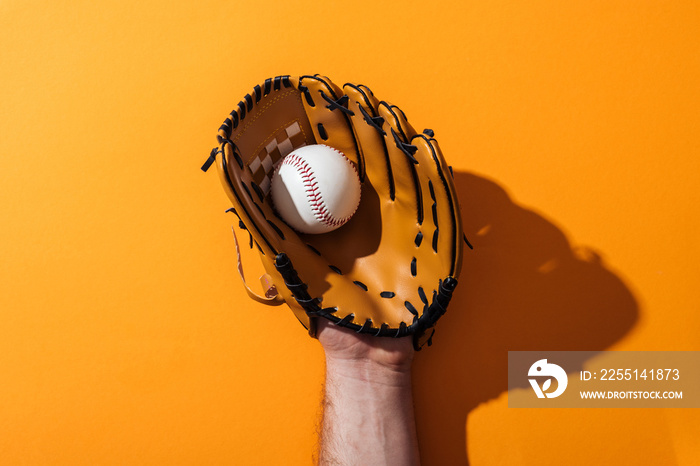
[[281, 144]]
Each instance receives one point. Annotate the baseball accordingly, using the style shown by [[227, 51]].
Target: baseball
[[315, 189]]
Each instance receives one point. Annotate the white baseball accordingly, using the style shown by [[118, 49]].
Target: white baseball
[[316, 189]]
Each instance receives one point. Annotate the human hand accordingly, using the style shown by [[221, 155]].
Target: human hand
[[345, 347]]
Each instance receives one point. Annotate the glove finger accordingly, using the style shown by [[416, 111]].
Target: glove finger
[[235, 177], [398, 134], [367, 124], [441, 225], [327, 110]]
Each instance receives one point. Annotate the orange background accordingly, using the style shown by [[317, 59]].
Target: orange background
[[125, 335]]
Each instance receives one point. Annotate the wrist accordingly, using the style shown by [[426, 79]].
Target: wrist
[[368, 371]]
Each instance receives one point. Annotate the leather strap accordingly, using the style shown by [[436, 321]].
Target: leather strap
[[272, 296]]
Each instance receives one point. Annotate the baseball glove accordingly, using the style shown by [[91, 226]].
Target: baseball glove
[[392, 269]]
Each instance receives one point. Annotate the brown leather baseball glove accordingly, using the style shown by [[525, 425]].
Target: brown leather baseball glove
[[391, 270]]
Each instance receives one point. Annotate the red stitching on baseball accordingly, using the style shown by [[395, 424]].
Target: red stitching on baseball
[[311, 187]]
